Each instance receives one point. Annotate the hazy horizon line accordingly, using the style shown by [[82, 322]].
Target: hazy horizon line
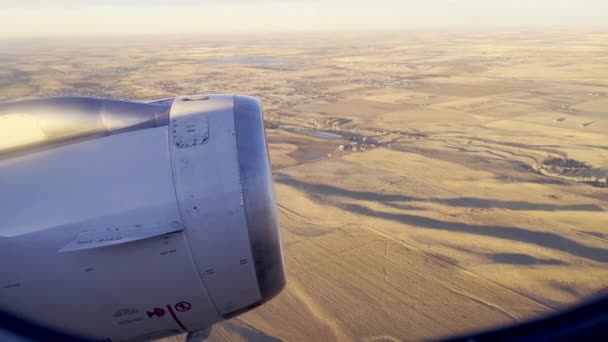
[[536, 29]]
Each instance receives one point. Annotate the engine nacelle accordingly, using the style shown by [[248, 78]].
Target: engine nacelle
[[134, 221]]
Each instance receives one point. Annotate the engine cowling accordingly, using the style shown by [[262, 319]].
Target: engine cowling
[[135, 221]]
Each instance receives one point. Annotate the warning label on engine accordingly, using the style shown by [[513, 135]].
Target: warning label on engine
[[178, 307]]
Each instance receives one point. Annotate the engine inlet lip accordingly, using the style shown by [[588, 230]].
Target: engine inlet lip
[[258, 196]]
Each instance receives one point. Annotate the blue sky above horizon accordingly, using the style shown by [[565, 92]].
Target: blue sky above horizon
[[25, 18]]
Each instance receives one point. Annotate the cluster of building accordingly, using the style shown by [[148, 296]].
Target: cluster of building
[[391, 82], [356, 147]]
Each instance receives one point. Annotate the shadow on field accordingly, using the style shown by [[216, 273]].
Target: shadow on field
[[523, 259], [464, 202], [541, 239]]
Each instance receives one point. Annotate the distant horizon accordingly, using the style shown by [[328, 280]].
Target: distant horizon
[[112, 18], [211, 36]]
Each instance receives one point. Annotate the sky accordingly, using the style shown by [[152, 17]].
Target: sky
[[31, 18]]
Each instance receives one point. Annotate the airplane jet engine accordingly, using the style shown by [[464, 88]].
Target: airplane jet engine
[[127, 221]]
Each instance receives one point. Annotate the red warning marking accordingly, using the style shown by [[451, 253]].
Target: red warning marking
[[183, 306], [175, 318], [156, 312]]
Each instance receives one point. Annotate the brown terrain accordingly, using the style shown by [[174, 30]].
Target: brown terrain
[[428, 184]]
